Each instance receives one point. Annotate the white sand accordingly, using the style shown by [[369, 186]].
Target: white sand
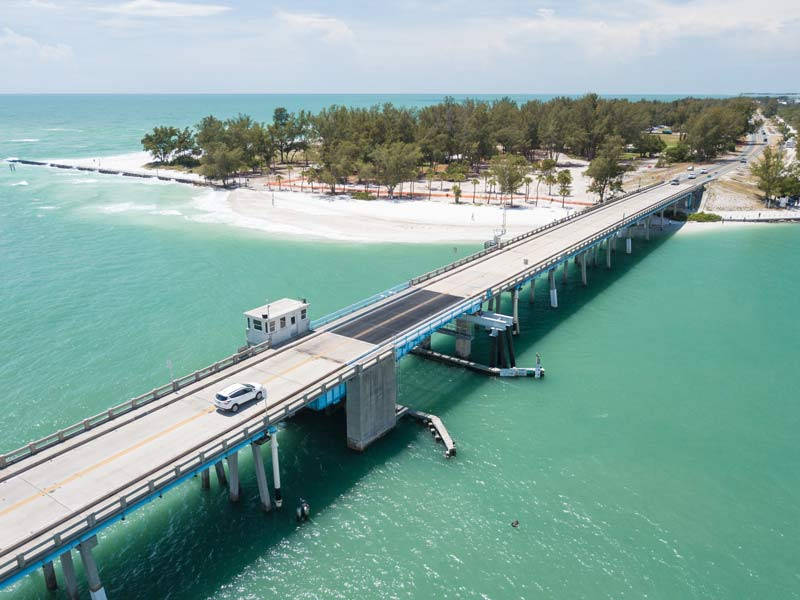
[[341, 218]]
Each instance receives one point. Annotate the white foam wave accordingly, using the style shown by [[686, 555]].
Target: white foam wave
[[46, 207], [167, 213], [81, 181], [19, 183], [25, 140], [126, 207], [62, 129]]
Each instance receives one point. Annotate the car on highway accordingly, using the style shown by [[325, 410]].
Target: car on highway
[[743, 159], [690, 168], [703, 171], [234, 396], [692, 176], [674, 181]]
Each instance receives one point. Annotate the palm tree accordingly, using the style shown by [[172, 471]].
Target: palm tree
[[492, 183], [457, 193], [429, 176], [528, 181], [279, 178], [474, 183]]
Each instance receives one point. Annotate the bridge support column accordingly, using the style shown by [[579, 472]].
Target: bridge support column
[[96, 590], [628, 242], [50, 576], [219, 467], [261, 477], [565, 271], [647, 229], [463, 344], [583, 268], [595, 254], [205, 479], [233, 477], [490, 304], [70, 581], [661, 220], [370, 407], [614, 242], [551, 277], [276, 467], [532, 291], [608, 254], [426, 343], [515, 309]]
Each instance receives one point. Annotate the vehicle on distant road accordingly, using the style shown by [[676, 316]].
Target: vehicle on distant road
[[692, 176], [674, 181], [234, 396], [690, 168], [743, 159], [703, 171]]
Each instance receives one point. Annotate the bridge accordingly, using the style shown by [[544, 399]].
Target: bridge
[[58, 493]]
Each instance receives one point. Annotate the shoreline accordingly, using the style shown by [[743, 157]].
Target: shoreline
[[319, 216]]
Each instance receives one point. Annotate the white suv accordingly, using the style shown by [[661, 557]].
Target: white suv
[[234, 396]]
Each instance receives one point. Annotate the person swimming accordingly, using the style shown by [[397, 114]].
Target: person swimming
[[515, 524]]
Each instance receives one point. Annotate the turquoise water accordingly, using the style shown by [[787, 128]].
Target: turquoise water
[[658, 458]]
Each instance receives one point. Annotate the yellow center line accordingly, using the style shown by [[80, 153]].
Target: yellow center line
[[105, 461]]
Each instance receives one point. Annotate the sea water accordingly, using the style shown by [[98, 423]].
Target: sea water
[[657, 459]]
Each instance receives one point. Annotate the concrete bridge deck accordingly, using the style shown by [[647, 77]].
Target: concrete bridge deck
[[54, 498]]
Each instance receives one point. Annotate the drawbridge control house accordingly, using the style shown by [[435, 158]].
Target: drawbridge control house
[[277, 321]]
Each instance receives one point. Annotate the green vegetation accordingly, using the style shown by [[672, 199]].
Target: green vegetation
[[703, 217], [388, 145], [774, 177], [564, 179], [605, 170], [362, 196]]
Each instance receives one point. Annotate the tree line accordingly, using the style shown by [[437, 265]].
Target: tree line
[[388, 145]]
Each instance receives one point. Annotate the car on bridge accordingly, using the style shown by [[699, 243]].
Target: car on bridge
[[692, 176], [234, 396], [674, 181]]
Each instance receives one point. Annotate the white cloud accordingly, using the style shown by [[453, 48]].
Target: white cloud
[[161, 9], [27, 48], [328, 29]]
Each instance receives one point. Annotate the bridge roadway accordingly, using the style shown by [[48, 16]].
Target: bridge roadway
[[57, 497]]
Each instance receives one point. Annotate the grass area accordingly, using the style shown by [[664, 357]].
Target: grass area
[[699, 217], [670, 139], [362, 196]]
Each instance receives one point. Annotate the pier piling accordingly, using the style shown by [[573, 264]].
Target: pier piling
[[551, 277], [96, 590], [50, 576], [276, 469], [233, 477], [532, 291], [515, 309], [205, 479], [261, 477], [70, 581], [219, 467]]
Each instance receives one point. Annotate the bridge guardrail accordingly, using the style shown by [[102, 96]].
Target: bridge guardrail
[[359, 305], [590, 241], [527, 234], [119, 410], [159, 479]]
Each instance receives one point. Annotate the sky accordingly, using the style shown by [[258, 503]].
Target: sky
[[400, 46]]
